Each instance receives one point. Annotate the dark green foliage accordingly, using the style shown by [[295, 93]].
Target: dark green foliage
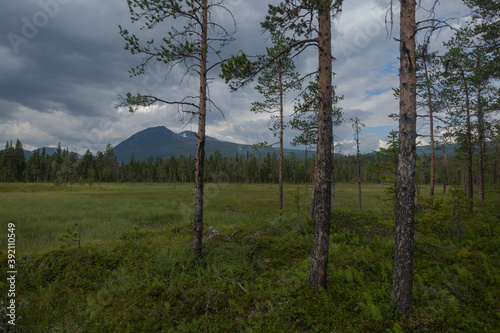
[[12, 162], [247, 168], [386, 165], [72, 238], [256, 167]]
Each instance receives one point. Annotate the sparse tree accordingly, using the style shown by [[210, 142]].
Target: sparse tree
[[305, 120], [199, 38], [404, 241], [309, 24], [428, 66], [273, 83], [358, 126]]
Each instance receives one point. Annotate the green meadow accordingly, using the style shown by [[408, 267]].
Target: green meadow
[[134, 270], [41, 212]]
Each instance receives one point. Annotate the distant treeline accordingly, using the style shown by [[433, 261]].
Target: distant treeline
[[65, 167]]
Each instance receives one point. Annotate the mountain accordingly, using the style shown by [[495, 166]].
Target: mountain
[[162, 142], [450, 150]]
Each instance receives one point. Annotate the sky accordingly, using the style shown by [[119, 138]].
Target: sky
[[63, 67]]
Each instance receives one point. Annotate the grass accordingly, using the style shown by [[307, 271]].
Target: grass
[[135, 271], [41, 212]]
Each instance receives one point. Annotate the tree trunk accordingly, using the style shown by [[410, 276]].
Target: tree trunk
[[315, 183], [481, 147], [431, 120], [305, 168], [281, 147], [445, 162], [200, 145], [469, 177], [404, 241], [333, 174], [359, 184], [319, 260], [358, 163]]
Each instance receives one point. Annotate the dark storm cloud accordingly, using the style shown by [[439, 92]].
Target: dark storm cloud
[[62, 67], [61, 70]]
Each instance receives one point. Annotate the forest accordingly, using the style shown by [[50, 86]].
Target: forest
[[66, 168]]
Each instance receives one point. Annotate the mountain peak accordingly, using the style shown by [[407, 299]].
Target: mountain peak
[[161, 142], [157, 130]]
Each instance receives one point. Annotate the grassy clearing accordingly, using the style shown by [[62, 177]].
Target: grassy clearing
[[41, 212], [135, 272]]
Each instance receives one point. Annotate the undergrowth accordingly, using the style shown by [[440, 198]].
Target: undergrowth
[[252, 278]]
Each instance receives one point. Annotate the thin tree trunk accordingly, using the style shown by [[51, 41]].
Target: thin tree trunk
[[445, 162], [431, 119], [359, 184], [333, 175], [200, 145], [281, 146], [319, 260], [481, 146], [358, 162], [305, 168], [404, 242], [469, 180]]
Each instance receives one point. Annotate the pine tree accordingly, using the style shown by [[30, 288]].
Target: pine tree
[[404, 241], [309, 21], [191, 45], [273, 83]]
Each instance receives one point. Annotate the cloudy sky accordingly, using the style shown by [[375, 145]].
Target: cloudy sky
[[63, 66]]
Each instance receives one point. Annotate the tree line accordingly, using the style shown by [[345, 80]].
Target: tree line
[[64, 167]]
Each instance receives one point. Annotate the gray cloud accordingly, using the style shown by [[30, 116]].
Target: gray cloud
[[62, 67]]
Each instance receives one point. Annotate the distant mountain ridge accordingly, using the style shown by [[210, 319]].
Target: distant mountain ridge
[[161, 142]]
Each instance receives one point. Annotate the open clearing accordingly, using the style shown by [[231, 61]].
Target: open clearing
[[135, 270]]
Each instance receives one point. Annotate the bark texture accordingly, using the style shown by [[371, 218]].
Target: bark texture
[[312, 205], [469, 180], [319, 259], [200, 145], [281, 146], [404, 241], [445, 164], [431, 123], [481, 146]]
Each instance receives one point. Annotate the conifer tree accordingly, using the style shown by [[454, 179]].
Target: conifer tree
[[308, 22], [273, 83], [199, 38]]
